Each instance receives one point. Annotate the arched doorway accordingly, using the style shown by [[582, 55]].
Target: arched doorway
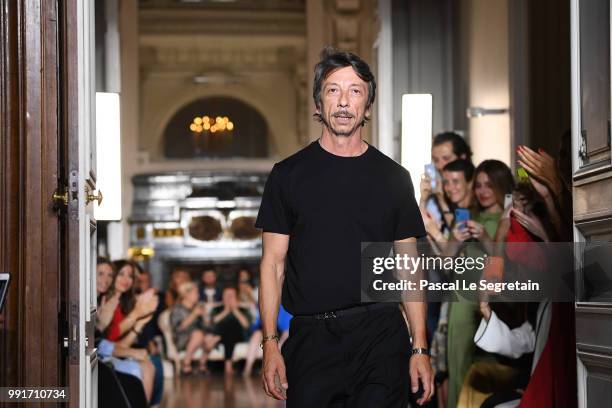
[[216, 127]]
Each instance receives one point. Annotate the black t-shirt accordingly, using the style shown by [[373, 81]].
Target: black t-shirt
[[329, 205]]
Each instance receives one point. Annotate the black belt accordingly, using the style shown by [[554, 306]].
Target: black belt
[[347, 312]]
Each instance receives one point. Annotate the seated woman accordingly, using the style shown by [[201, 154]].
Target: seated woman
[[188, 327], [247, 291], [124, 359], [132, 312], [231, 322], [177, 277]]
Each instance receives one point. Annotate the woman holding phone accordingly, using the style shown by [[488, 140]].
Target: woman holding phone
[[458, 197], [492, 181], [457, 185], [446, 147]]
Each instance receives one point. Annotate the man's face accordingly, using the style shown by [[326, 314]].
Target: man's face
[[443, 154], [343, 102], [209, 278], [143, 281]]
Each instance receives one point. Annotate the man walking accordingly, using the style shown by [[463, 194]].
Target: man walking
[[318, 206]]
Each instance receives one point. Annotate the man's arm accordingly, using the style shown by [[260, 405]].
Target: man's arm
[[415, 307], [272, 275]]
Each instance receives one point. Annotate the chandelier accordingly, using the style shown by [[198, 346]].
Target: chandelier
[[211, 124]]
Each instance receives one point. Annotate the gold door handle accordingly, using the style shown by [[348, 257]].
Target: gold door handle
[[90, 196], [60, 196]]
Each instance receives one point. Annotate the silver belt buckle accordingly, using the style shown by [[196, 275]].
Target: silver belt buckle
[[326, 315]]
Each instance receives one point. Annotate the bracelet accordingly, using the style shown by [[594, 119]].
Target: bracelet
[[419, 350], [268, 338]]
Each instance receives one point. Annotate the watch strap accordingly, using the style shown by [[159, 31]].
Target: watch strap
[[419, 350]]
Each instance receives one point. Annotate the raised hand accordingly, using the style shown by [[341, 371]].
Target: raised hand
[[431, 225], [146, 303], [541, 166], [425, 187], [540, 187]]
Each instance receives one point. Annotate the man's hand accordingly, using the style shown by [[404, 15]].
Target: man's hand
[[420, 368], [273, 367]]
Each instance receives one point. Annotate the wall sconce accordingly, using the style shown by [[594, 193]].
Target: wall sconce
[[108, 156], [417, 122], [477, 111]]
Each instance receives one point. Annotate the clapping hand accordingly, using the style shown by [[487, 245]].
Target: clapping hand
[[541, 166], [146, 303]]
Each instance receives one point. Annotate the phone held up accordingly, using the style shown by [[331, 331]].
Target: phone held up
[[432, 174], [462, 215]]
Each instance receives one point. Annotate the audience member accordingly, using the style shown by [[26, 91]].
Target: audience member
[[178, 276], [210, 292], [247, 291], [231, 322], [492, 181], [132, 312], [457, 184], [146, 339], [124, 359], [143, 281], [188, 327], [446, 147]]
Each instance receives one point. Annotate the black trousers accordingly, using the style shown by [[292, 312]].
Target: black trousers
[[231, 333], [355, 361]]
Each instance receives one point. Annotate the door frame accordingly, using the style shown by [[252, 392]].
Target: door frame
[[585, 175], [78, 104]]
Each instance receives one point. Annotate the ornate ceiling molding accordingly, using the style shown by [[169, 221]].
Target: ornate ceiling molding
[[206, 57], [295, 5], [221, 22]]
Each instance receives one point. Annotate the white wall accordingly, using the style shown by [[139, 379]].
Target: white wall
[[484, 54]]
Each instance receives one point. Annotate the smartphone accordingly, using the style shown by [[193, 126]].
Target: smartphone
[[432, 173], [521, 174], [461, 216], [507, 200]]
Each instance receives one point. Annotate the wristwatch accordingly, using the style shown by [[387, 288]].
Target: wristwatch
[[419, 350]]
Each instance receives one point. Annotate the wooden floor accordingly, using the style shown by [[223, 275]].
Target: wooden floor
[[217, 391]]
